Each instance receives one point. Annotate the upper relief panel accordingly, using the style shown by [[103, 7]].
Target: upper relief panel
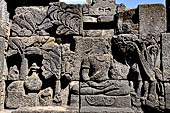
[[65, 19]]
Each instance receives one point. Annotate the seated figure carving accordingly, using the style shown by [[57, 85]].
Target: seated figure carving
[[97, 71]]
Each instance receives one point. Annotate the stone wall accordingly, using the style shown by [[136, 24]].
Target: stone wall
[[99, 57]]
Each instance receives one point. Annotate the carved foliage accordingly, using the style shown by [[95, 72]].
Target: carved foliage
[[44, 46], [52, 62], [28, 20], [66, 19]]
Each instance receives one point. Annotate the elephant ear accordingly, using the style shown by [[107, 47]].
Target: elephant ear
[[52, 63]]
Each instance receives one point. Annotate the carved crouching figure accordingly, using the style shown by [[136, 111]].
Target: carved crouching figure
[[97, 70]]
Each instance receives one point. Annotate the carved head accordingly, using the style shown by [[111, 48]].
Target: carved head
[[101, 48]]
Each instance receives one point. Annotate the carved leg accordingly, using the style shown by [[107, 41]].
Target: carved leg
[[90, 91], [117, 91]]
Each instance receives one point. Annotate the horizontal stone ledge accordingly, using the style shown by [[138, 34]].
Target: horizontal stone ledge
[[44, 109], [105, 110]]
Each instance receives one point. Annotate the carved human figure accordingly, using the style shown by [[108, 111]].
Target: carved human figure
[[97, 70]]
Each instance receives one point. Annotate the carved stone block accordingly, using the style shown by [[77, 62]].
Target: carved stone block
[[15, 93], [27, 19], [106, 110], [102, 7], [168, 15], [105, 87], [30, 100], [167, 95], [45, 97], [93, 58], [89, 19], [50, 51], [128, 22], [4, 19], [49, 109], [14, 98], [152, 20], [98, 33], [2, 94], [106, 101], [90, 44], [165, 56], [30, 21], [75, 100], [2, 57]]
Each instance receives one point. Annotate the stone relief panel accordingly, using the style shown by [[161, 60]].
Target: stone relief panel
[[40, 59], [30, 21], [94, 58]]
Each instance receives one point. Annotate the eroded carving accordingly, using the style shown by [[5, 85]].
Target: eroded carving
[[65, 19], [93, 58]]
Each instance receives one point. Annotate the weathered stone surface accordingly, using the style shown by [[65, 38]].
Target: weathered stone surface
[[45, 97], [75, 101], [102, 7], [2, 51], [26, 20], [152, 21], [167, 95], [168, 15], [165, 56], [106, 110], [14, 99], [121, 8], [56, 109], [94, 58], [15, 93], [13, 73], [2, 94], [98, 33], [105, 19], [92, 33], [33, 82], [30, 21], [17, 86], [127, 22], [90, 44], [106, 101], [4, 21], [29, 100], [89, 19], [47, 48]]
